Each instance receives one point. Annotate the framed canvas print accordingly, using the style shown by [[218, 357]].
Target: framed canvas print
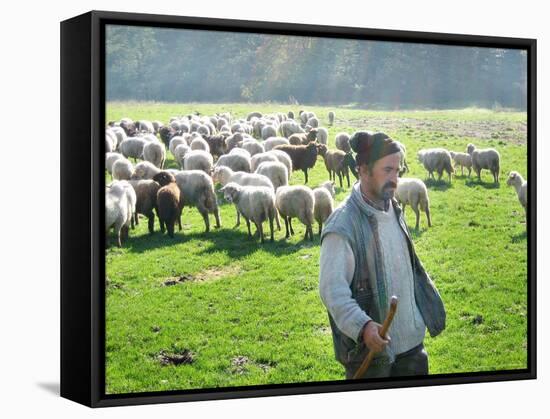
[[257, 209]]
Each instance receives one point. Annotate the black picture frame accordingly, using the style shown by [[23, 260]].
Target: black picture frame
[[82, 206]]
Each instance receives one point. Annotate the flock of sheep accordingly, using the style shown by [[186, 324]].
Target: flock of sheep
[[252, 158]]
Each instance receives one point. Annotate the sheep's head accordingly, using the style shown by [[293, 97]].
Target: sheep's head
[[322, 149], [230, 191], [312, 135], [164, 178], [470, 149], [513, 178], [350, 162], [420, 156]]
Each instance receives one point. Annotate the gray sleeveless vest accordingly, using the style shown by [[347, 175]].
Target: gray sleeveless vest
[[353, 221]]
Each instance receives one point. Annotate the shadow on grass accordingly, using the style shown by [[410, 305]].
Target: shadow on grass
[[416, 234], [438, 185], [516, 238], [471, 183]]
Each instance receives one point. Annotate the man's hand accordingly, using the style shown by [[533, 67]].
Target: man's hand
[[371, 337]]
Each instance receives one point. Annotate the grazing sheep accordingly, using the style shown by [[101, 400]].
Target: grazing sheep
[[517, 181], [414, 192], [256, 203], [322, 135], [110, 141], [404, 165], [233, 141], [168, 202], [120, 135], [336, 164], [146, 200], [176, 141], [253, 147], [257, 159], [236, 162], [110, 159], [438, 160], [313, 122], [199, 144], [198, 160], [241, 152], [130, 196], [157, 125], [487, 158], [290, 115], [331, 118], [155, 153], [324, 203], [273, 142], [462, 159], [303, 157], [144, 170], [303, 139], [283, 158], [197, 189], [132, 147], [117, 211], [275, 171], [268, 131], [290, 127], [341, 141], [296, 201], [253, 115], [145, 126], [179, 153], [122, 169]]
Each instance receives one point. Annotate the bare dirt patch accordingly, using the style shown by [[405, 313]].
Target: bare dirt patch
[[210, 274], [508, 131], [178, 358]]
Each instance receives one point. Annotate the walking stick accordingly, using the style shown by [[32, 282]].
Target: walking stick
[[383, 332]]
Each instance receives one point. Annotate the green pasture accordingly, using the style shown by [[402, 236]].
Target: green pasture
[[238, 313]]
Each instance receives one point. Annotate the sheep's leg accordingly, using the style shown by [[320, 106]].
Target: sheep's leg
[[347, 177], [286, 228], [132, 222], [417, 213], [271, 226], [136, 218], [340, 179], [320, 228], [305, 173], [151, 222], [179, 218], [217, 217], [260, 229], [118, 243], [278, 222], [290, 224], [238, 219], [170, 224], [462, 170], [248, 227], [428, 217], [204, 214]]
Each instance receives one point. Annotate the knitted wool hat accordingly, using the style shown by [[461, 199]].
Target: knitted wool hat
[[372, 146]]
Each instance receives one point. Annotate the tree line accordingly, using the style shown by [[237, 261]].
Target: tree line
[[175, 65]]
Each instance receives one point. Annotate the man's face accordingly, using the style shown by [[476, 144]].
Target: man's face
[[381, 181]]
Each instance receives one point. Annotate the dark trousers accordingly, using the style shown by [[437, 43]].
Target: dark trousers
[[412, 362]]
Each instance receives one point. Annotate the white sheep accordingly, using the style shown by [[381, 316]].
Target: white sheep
[[240, 151], [252, 146], [322, 135], [414, 192], [487, 158], [236, 162], [268, 131], [122, 169], [197, 189], [324, 202], [341, 141], [179, 153], [283, 158], [438, 160], [296, 201], [257, 159], [199, 144], [275, 171], [154, 152], [290, 127], [517, 181], [110, 159], [198, 160], [117, 212], [120, 134], [144, 170], [255, 203], [130, 195], [464, 160], [176, 141], [273, 142], [331, 118], [132, 147]]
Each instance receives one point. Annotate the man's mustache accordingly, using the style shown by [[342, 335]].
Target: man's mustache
[[390, 185]]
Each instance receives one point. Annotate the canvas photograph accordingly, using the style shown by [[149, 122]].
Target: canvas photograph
[[283, 209]]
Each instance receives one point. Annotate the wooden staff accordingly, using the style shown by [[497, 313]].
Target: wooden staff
[[383, 332]]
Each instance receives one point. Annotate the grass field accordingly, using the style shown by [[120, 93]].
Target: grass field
[[236, 313]]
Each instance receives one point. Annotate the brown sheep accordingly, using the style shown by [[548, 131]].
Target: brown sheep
[[303, 138], [168, 202], [146, 202], [335, 162], [303, 157], [217, 145]]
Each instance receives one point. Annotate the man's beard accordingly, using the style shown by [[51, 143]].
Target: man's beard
[[388, 191]]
